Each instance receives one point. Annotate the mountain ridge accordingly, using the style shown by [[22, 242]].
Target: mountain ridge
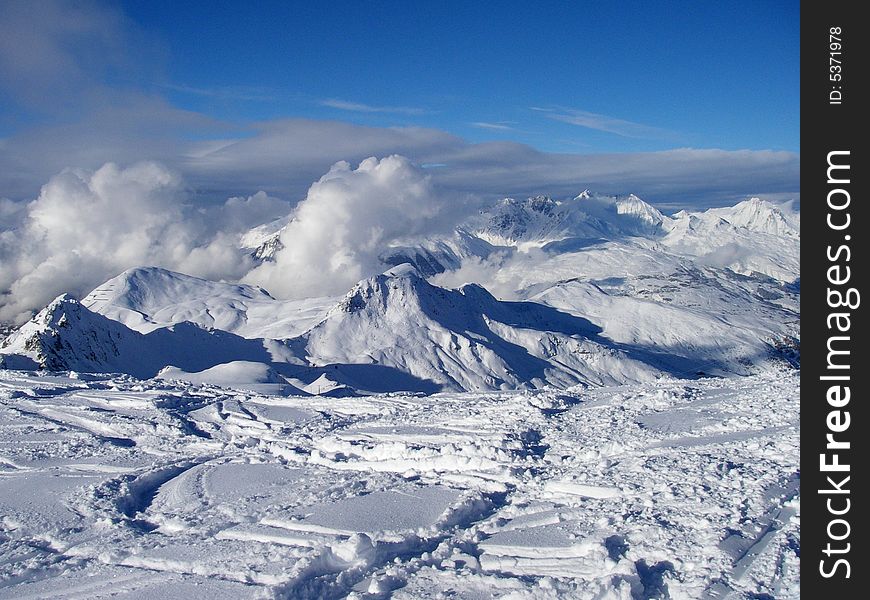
[[642, 295]]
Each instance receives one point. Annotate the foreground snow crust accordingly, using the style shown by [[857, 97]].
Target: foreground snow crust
[[115, 487]]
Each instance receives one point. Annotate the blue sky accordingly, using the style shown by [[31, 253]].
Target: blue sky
[[700, 74], [685, 103]]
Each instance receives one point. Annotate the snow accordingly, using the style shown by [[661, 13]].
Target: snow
[[239, 374], [113, 486], [613, 415], [263, 234], [148, 298], [398, 332], [615, 293], [541, 219], [753, 236]]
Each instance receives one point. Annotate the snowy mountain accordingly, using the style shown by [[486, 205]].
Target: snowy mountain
[[716, 322], [542, 219], [465, 339], [264, 241], [760, 216], [66, 336], [392, 332], [614, 292], [148, 298], [557, 398], [396, 331], [437, 255], [752, 237]]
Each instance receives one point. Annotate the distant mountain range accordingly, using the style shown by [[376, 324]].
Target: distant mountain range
[[617, 293]]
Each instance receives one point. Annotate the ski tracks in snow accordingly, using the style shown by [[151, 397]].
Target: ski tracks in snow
[[678, 489]]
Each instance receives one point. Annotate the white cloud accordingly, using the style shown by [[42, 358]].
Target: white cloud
[[11, 214], [284, 156], [599, 122], [502, 273], [494, 126], [368, 108], [348, 217], [86, 227], [239, 214]]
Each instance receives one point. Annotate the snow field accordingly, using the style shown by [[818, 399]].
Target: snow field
[[115, 487]]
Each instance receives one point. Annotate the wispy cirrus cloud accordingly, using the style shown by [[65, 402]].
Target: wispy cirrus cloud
[[500, 126], [368, 108], [608, 124], [257, 94]]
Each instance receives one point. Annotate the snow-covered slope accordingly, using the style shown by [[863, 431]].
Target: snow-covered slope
[[148, 298], [752, 237], [66, 336], [671, 489], [686, 317], [240, 375], [264, 241], [541, 219], [761, 216], [396, 331], [392, 332], [437, 255], [465, 339], [611, 291]]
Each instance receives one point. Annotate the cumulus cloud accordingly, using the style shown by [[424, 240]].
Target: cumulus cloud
[[86, 227], [239, 214], [347, 219], [11, 214]]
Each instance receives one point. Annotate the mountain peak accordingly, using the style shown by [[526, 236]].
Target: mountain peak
[[147, 298], [59, 313], [402, 270], [401, 283], [401, 326], [762, 216], [66, 335], [541, 204], [634, 206]]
